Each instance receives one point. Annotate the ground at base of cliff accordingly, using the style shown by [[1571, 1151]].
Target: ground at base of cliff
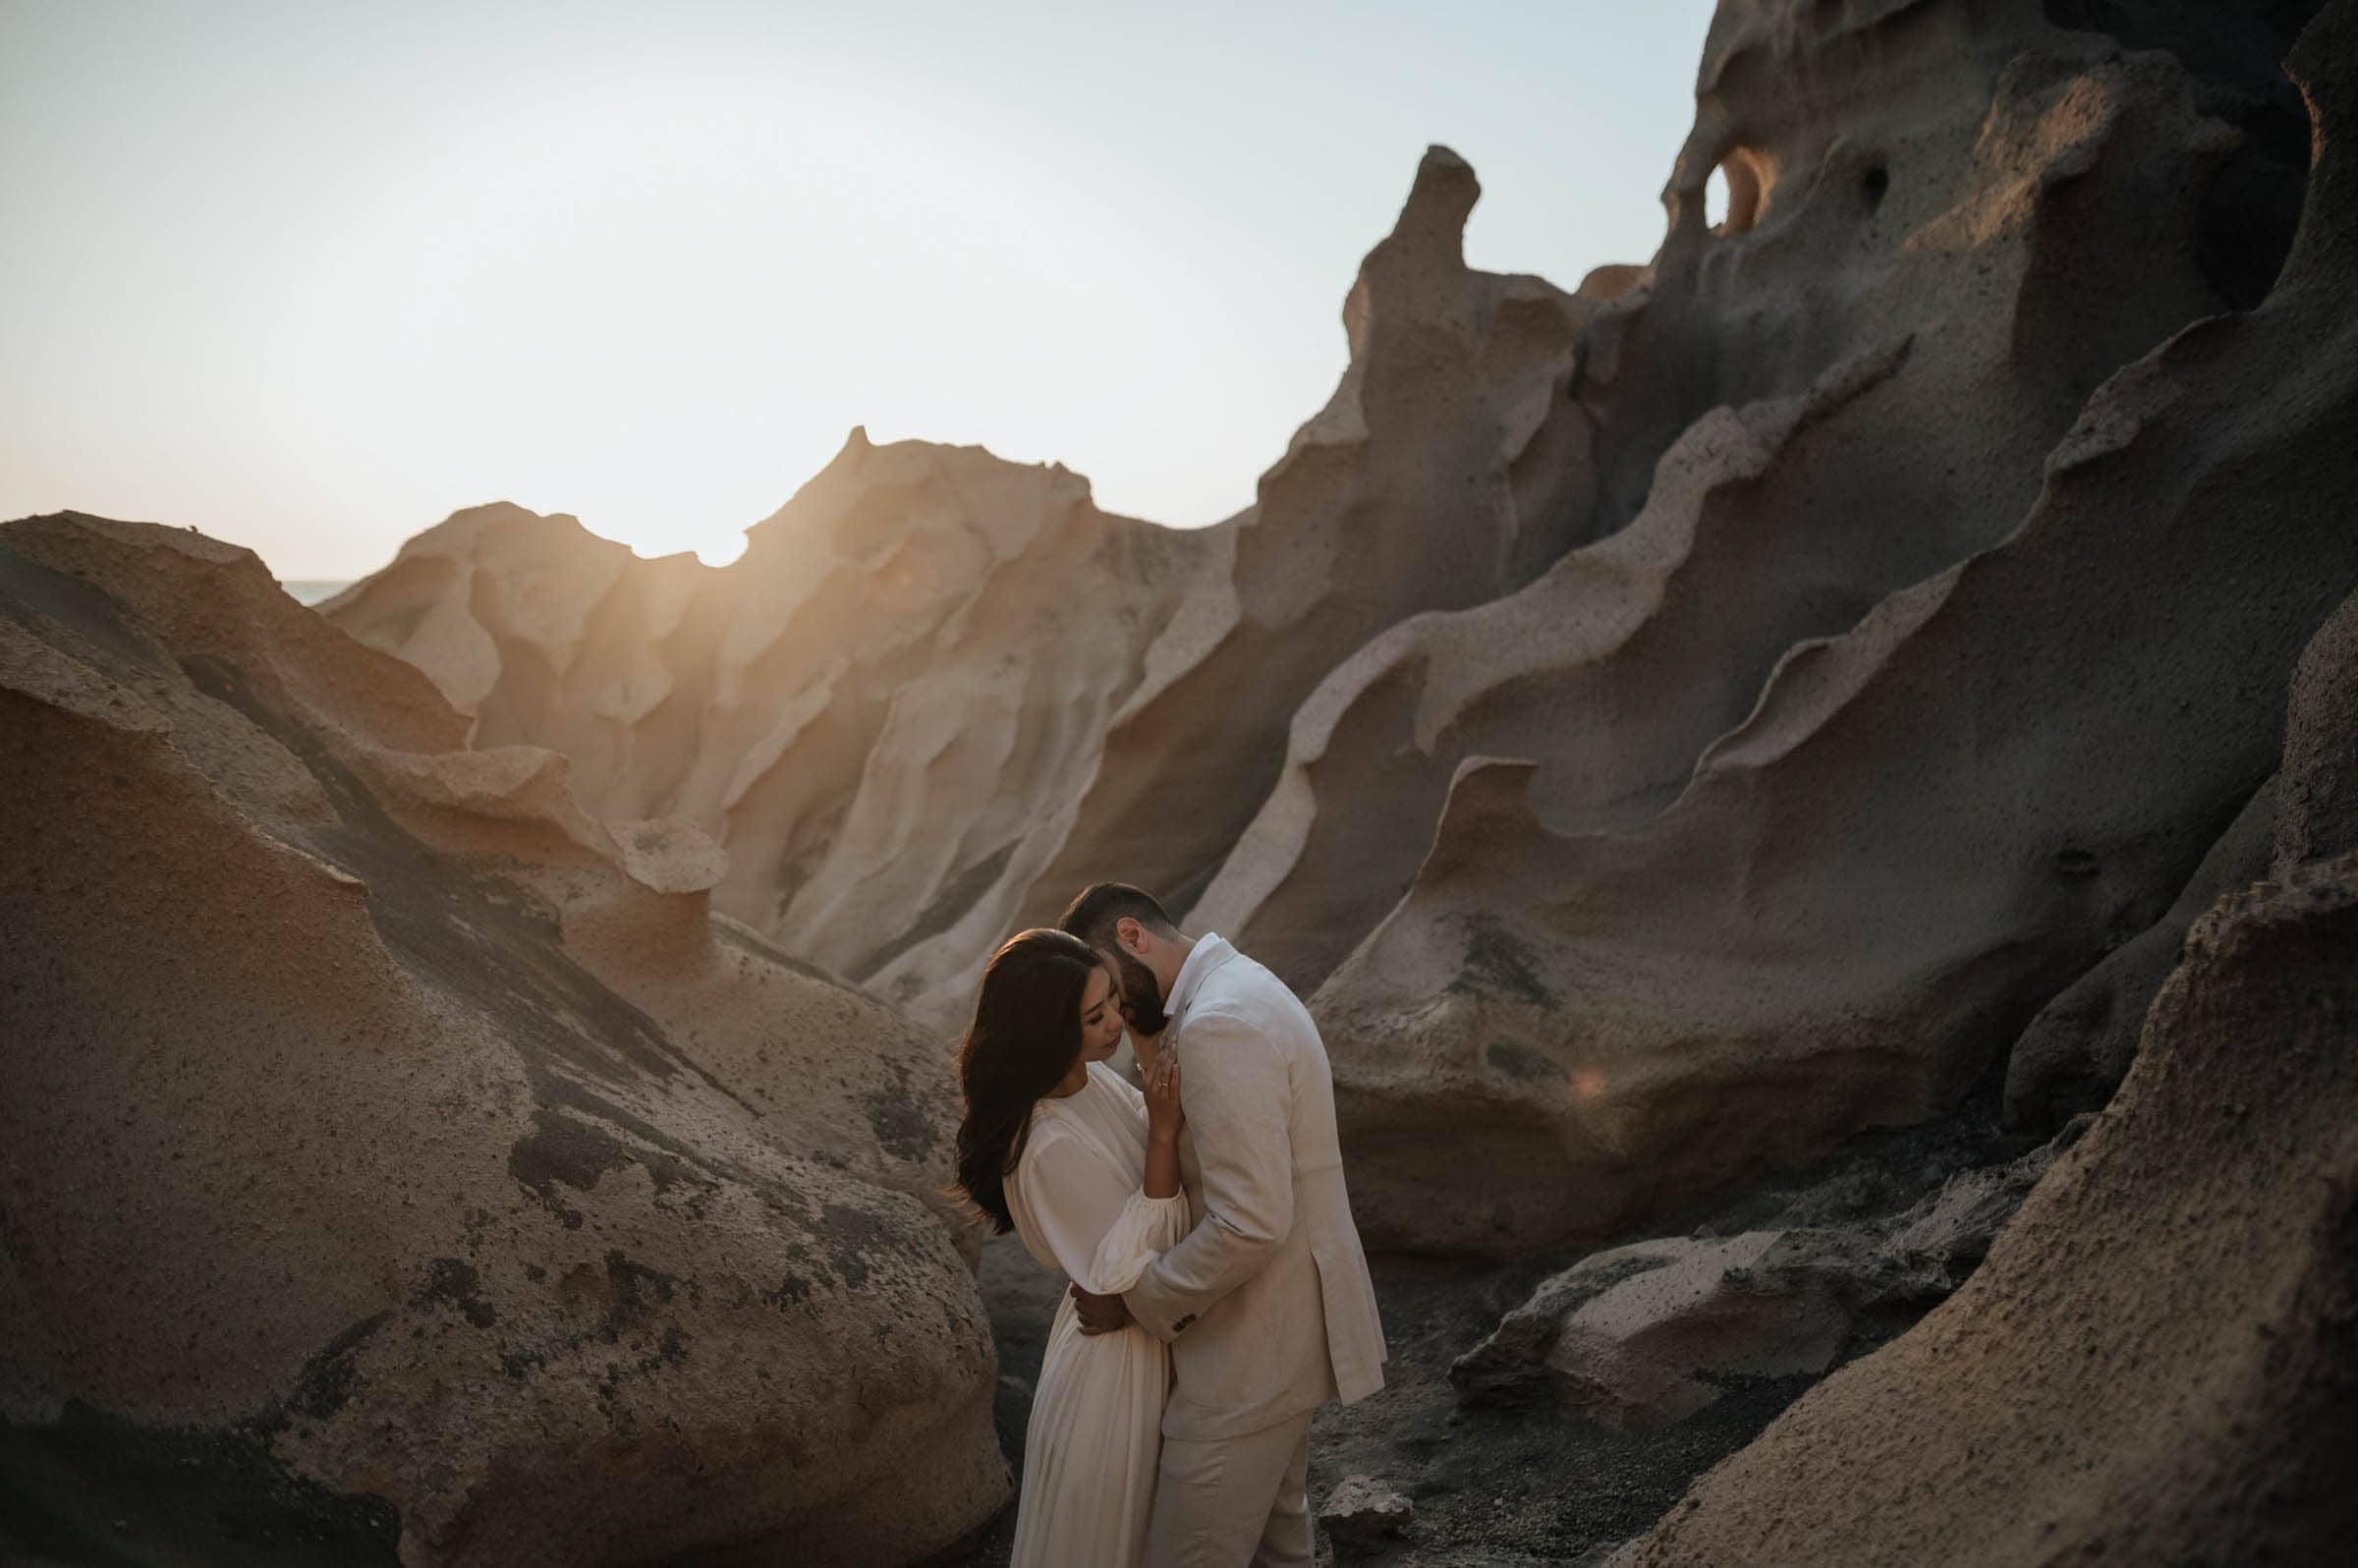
[[1493, 1483]]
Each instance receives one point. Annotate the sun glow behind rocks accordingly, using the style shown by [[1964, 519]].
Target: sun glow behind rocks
[[653, 314], [310, 278]]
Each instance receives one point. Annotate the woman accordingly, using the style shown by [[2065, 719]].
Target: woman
[[1086, 1171]]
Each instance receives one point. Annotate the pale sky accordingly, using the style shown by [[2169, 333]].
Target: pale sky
[[313, 275]]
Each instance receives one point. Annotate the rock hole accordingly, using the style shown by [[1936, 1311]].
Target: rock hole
[[1876, 182], [2077, 864], [1744, 179]]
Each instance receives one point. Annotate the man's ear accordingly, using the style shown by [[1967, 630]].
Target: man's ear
[[1131, 936]]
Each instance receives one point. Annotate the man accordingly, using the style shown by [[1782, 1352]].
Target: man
[[1265, 1304]]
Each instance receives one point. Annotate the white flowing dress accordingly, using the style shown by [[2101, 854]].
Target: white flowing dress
[[1089, 1453]]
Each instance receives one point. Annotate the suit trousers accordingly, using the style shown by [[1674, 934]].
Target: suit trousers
[[1225, 1502]]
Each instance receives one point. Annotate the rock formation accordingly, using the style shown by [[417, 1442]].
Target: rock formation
[[2318, 813], [940, 692], [1843, 391], [1929, 822], [1674, 726], [2077, 1051], [907, 674], [1765, 678], [402, 1161], [2069, 1407], [2155, 1365], [1641, 1336]]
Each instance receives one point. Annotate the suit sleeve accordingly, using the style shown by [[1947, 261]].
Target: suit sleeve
[[1236, 1088]]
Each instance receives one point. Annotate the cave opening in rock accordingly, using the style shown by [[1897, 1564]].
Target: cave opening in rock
[[1738, 190]]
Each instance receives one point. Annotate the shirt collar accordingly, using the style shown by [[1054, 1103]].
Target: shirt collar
[[1208, 950]]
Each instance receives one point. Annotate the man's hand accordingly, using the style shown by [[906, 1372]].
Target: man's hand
[[1099, 1314]]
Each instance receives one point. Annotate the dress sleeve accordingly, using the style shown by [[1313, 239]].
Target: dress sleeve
[[1101, 1227]]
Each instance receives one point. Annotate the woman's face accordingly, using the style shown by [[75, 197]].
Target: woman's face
[[1101, 1016]]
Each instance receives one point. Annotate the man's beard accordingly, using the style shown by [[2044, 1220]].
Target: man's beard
[[1142, 998]]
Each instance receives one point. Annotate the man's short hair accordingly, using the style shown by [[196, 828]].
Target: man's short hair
[[1100, 908]]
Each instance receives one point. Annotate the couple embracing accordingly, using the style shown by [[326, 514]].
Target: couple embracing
[[1219, 1292]]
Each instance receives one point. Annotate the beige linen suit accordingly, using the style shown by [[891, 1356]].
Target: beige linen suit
[[1266, 1303]]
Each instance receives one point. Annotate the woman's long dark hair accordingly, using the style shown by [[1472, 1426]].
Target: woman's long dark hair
[[1025, 1038]]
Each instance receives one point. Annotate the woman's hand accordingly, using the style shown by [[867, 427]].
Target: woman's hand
[[1164, 1117]]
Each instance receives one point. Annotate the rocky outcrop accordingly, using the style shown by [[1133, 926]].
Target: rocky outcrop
[[2069, 1407], [482, 1199], [1676, 723], [2079, 1047], [1642, 1336], [2319, 813], [940, 692], [1931, 822], [2072, 1409], [1941, 243], [905, 679]]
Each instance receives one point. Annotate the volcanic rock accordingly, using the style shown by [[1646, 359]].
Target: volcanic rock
[[400, 1160], [1361, 1511], [2079, 1047], [2155, 1365], [940, 692], [1926, 824], [2319, 815], [1641, 1336], [1843, 391], [909, 670]]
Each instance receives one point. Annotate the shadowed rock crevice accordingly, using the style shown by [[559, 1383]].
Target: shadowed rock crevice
[[100, 1493]]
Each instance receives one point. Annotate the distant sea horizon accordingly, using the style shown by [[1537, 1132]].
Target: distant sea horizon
[[312, 589]]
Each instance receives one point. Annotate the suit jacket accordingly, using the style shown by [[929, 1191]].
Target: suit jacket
[[1266, 1303]]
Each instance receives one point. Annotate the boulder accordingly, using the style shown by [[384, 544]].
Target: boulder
[[402, 1162], [1363, 1512], [1639, 1337]]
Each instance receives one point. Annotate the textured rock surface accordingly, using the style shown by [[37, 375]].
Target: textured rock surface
[[1925, 827], [2319, 815], [1637, 1337], [2071, 1408], [2155, 1364], [939, 692], [1362, 1510], [1847, 389], [2079, 1047], [878, 709], [400, 1160]]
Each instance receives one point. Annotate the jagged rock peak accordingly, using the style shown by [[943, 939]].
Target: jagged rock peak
[[1439, 203]]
